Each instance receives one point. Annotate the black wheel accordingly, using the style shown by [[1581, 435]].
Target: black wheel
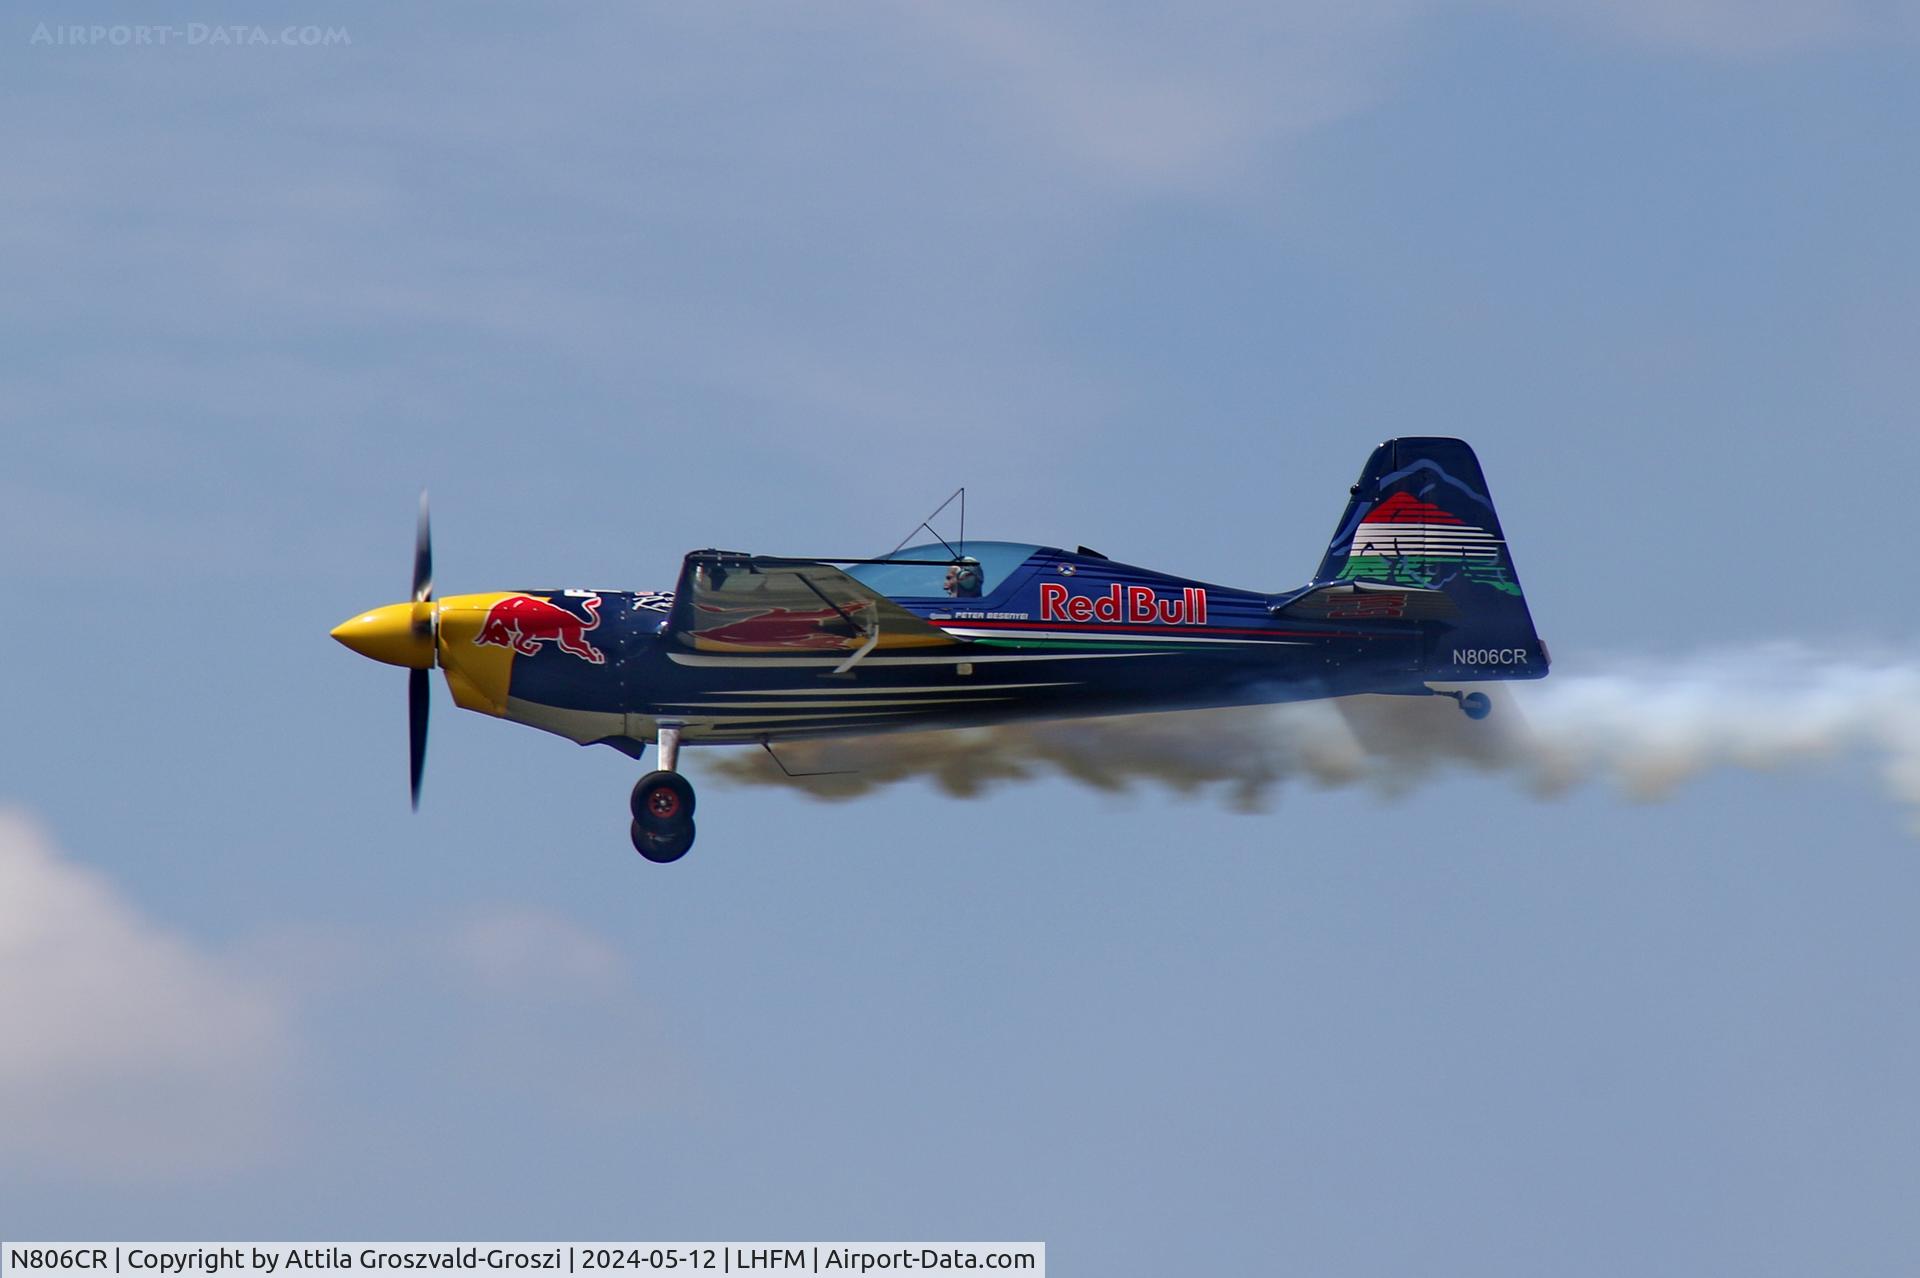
[[662, 846], [662, 800], [1476, 705]]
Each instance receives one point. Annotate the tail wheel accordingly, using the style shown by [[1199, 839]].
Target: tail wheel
[[662, 800], [662, 847], [1476, 705]]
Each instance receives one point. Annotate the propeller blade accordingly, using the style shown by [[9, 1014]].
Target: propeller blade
[[422, 555], [417, 690]]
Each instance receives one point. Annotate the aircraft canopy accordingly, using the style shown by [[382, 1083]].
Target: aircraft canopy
[[928, 580]]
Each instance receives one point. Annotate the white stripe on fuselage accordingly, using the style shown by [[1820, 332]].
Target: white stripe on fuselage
[[821, 715], [769, 660], [1080, 636], [829, 708], [858, 690]]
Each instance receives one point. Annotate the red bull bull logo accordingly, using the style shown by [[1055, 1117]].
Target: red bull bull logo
[[523, 623], [818, 628]]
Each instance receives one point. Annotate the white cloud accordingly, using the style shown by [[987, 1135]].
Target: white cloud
[[128, 1050], [1739, 29], [1176, 97], [845, 217], [486, 1004], [516, 952], [1187, 98]]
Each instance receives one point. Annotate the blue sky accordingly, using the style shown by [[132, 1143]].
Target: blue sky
[[624, 281]]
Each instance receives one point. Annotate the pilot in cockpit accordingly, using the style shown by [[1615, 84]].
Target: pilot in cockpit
[[964, 579]]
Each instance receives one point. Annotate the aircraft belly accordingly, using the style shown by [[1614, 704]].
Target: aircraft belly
[[793, 701], [720, 698]]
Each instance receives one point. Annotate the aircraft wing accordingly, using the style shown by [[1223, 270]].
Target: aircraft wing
[[733, 602]]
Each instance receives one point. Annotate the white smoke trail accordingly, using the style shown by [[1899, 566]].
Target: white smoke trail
[[1646, 727]]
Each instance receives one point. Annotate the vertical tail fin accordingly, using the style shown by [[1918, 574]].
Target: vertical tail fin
[[1421, 517]]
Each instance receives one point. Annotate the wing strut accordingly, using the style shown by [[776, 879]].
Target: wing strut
[[859, 654]]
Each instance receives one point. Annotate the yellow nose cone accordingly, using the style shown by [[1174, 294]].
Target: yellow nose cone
[[390, 634]]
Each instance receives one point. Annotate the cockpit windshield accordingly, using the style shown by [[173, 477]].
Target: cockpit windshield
[[965, 571]]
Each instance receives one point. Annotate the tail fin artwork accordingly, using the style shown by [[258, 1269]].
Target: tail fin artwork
[[1421, 518]]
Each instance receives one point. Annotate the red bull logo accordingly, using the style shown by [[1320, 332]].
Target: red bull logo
[[822, 628], [1128, 605], [523, 623]]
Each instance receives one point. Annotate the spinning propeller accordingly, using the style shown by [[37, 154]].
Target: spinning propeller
[[405, 635], [417, 678]]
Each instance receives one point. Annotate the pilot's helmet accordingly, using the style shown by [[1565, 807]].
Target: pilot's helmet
[[964, 578]]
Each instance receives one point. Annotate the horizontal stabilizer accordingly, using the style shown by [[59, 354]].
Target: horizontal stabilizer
[[1366, 601]]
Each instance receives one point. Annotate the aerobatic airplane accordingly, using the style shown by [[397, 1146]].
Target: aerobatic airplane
[[1417, 588]]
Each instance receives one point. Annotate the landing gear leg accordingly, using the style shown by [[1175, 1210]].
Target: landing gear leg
[[662, 804]]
